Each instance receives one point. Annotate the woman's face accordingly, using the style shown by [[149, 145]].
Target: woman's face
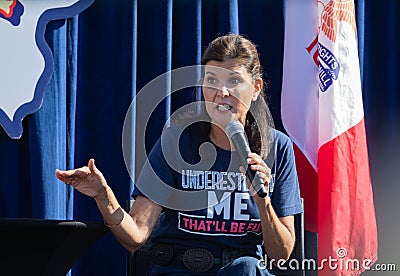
[[228, 91]]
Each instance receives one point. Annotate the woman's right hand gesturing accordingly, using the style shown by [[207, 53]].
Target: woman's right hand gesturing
[[88, 180]]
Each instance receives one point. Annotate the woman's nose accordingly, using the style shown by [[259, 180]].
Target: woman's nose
[[223, 91]]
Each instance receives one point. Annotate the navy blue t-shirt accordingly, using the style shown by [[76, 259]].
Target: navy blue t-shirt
[[212, 207]]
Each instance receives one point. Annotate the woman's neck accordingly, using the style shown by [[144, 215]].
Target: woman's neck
[[219, 138]]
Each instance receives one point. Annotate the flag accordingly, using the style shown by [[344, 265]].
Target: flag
[[322, 111]]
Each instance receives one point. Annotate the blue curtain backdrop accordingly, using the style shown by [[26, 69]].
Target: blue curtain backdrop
[[104, 56]]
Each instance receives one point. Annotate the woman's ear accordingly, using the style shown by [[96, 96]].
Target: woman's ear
[[258, 84]]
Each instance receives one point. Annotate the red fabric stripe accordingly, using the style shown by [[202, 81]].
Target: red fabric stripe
[[346, 214], [308, 181]]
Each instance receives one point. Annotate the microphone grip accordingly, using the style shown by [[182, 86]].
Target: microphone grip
[[242, 147], [257, 183]]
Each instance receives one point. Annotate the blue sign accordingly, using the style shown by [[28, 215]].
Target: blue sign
[[329, 67], [27, 62]]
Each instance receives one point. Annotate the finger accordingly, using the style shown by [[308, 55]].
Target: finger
[[261, 168], [252, 160], [255, 159], [249, 186], [64, 175], [61, 176], [266, 177], [256, 167], [71, 175], [91, 165], [257, 163], [254, 156]]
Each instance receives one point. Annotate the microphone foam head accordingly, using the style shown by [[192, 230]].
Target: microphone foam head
[[234, 127]]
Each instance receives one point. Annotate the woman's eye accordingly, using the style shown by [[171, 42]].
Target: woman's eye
[[235, 81], [211, 81]]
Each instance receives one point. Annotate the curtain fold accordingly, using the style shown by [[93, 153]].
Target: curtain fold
[[71, 88], [132, 115], [47, 134], [168, 66], [104, 94]]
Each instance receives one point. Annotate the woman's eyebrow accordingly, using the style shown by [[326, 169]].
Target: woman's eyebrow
[[234, 73], [230, 74]]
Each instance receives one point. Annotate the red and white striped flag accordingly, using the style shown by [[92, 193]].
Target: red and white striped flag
[[322, 111]]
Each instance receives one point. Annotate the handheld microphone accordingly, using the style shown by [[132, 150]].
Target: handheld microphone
[[235, 132]]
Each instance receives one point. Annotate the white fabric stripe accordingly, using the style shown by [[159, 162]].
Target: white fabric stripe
[[313, 117], [299, 103]]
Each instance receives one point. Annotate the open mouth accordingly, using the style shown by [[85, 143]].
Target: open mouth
[[224, 107]]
